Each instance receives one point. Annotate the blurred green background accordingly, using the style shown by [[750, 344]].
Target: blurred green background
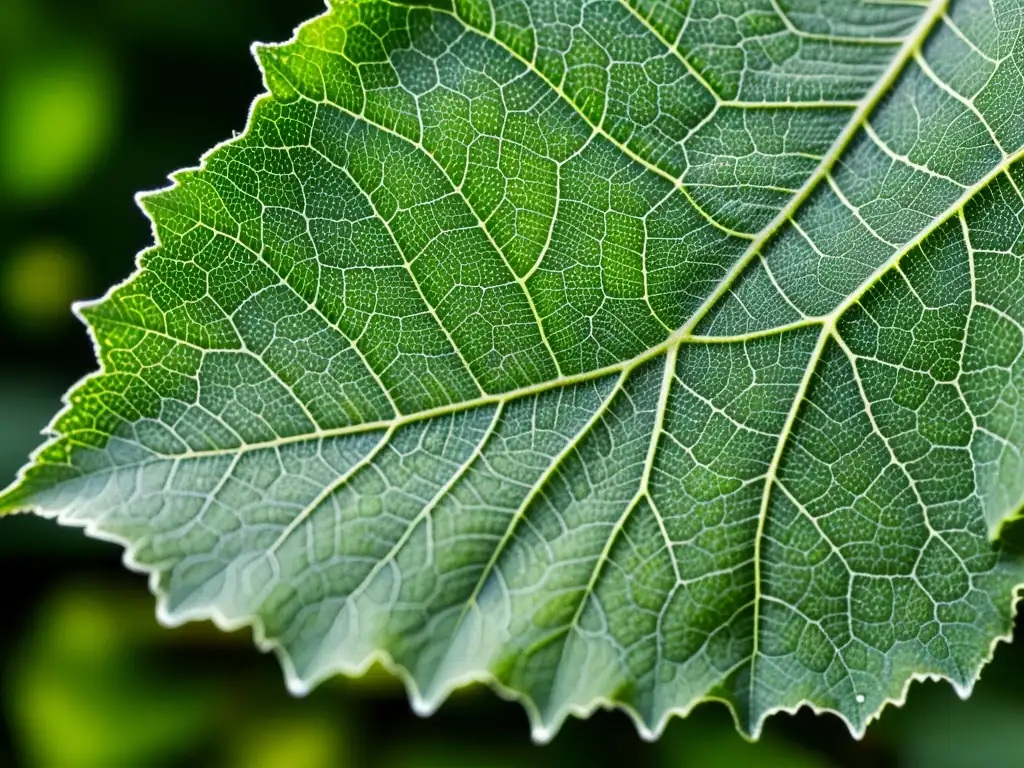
[[100, 99]]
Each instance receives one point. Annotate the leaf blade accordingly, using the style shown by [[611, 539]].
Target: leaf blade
[[280, 446]]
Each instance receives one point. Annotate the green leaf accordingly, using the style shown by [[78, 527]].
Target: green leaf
[[618, 352]]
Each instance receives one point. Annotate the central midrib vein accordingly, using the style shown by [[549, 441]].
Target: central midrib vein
[[860, 115]]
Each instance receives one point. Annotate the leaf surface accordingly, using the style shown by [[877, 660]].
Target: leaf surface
[[613, 352]]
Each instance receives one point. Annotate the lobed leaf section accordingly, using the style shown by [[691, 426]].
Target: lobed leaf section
[[624, 353]]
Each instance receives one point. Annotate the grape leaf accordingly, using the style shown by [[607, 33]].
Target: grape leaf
[[613, 352]]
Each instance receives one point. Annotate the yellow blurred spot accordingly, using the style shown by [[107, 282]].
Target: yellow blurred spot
[[310, 742], [38, 283], [82, 691], [56, 118]]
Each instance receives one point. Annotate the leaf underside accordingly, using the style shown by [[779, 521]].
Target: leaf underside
[[612, 352]]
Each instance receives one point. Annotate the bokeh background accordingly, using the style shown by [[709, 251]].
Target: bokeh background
[[100, 99]]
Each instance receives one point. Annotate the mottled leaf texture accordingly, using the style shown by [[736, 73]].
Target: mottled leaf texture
[[613, 352]]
